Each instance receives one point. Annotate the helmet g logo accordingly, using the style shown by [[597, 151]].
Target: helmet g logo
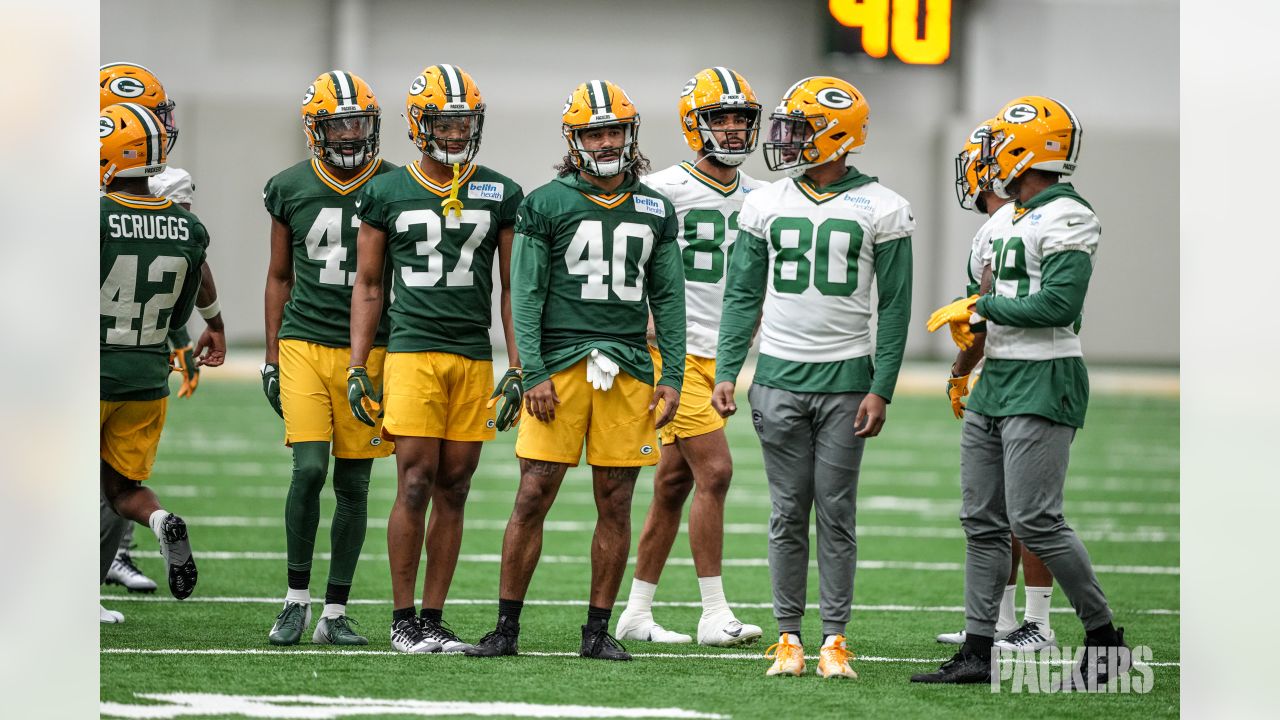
[[311, 93], [106, 126], [689, 86], [127, 87], [418, 85], [568, 103], [1020, 113], [834, 98]]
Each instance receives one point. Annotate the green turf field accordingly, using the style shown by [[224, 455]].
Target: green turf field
[[222, 466]]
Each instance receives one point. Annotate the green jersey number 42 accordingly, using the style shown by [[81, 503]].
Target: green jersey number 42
[[119, 291]]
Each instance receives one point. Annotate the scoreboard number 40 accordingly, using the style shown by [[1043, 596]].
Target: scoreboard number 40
[[919, 31]]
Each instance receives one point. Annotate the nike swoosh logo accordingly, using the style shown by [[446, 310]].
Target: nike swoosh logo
[[734, 632], [1073, 224]]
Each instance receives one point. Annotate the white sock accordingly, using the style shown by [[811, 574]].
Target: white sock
[[1008, 613], [831, 640], [1037, 610], [641, 598], [298, 596], [713, 602], [792, 638], [333, 611], [156, 521]]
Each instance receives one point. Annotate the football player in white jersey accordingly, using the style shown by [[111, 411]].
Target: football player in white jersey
[[720, 119], [1035, 632], [121, 82], [1023, 415], [809, 248]]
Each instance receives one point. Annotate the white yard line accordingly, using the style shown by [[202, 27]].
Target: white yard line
[[583, 603], [393, 653], [494, 558]]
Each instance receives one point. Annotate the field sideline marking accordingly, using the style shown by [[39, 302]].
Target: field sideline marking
[[665, 656], [1152, 535], [494, 558], [580, 603]]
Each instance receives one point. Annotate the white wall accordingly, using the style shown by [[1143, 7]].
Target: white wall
[[238, 69]]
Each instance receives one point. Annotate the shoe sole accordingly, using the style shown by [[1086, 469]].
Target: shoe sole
[[282, 642], [148, 590], [182, 575], [736, 642]]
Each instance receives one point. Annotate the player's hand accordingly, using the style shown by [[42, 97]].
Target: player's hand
[[183, 360], [364, 400], [541, 400], [956, 315], [957, 389], [271, 386], [669, 398], [509, 397], [871, 415], [211, 348], [722, 399]]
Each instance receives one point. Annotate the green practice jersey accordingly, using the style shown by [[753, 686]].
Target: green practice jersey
[[321, 214], [441, 264], [586, 270], [151, 251]]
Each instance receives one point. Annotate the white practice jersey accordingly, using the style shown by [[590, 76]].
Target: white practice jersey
[[1020, 244], [707, 214], [821, 265], [174, 183], [980, 251]]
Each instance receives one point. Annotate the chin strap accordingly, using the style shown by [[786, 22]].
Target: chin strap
[[452, 203]]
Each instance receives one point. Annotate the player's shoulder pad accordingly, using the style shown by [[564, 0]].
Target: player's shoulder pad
[[749, 184]]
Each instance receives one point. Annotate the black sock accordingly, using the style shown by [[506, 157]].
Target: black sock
[[509, 611], [598, 617], [432, 614], [1104, 636], [402, 614], [979, 645], [299, 579], [337, 594]]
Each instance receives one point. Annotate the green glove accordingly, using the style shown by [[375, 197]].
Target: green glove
[[363, 399], [271, 386], [509, 396]]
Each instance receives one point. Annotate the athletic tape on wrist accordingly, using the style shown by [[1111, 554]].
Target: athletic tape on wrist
[[210, 311]]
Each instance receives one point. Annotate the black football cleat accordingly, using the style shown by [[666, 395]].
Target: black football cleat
[[964, 668], [1099, 665], [176, 549], [502, 641], [597, 643]]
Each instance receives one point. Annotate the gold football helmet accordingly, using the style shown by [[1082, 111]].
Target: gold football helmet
[[715, 92], [132, 143], [341, 120], [598, 104], [1029, 133], [820, 119], [445, 114], [131, 83], [967, 186]]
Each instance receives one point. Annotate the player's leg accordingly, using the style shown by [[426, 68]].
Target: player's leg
[[110, 527], [614, 488], [417, 462], [1008, 619], [1034, 633], [130, 435], [1036, 455], [672, 483], [122, 570], [783, 423], [987, 549], [458, 461], [836, 465]]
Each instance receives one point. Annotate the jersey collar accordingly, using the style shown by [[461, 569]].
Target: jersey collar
[[1046, 196], [340, 187], [852, 178], [598, 196], [705, 179], [442, 190], [140, 202]]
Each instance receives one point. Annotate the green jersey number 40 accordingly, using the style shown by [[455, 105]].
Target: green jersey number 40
[[119, 291], [587, 256]]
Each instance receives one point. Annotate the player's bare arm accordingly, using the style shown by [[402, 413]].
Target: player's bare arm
[[211, 348], [279, 285], [366, 296]]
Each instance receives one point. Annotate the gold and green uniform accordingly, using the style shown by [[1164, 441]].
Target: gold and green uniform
[[441, 264], [151, 251], [321, 214], [586, 271]]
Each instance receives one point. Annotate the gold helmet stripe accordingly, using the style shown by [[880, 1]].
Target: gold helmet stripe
[[148, 121], [728, 84]]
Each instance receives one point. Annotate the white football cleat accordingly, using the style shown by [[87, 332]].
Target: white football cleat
[[407, 637], [957, 638], [787, 655], [833, 660], [106, 616], [1028, 638], [725, 630], [124, 572], [640, 626]]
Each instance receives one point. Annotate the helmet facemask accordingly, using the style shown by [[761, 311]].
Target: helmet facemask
[[740, 141], [991, 175], [440, 134], [165, 111], [348, 140], [605, 161], [790, 147]]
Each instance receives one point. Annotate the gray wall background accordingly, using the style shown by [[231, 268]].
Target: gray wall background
[[238, 69]]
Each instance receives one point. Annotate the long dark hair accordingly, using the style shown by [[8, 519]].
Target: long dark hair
[[640, 167]]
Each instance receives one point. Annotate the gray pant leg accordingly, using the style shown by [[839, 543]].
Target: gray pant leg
[[1036, 452], [986, 525], [126, 538], [110, 527], [786, 436], [837, 460]]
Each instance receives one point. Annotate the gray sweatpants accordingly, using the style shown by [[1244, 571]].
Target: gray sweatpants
[[1012, 470], [811, 456], [111, 528]]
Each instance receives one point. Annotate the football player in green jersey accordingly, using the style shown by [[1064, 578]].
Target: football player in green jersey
[[595, 252], [308, 301], [436, 226], [151, 254]]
